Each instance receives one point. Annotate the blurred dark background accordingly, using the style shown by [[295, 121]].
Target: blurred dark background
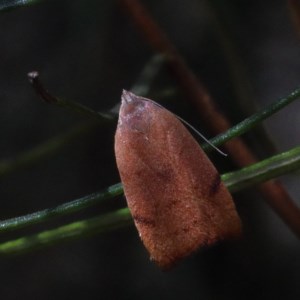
[[88, 51]]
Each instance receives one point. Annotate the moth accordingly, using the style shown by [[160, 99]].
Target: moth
[[175, 194]]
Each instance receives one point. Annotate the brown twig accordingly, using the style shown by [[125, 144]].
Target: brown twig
[[294, 8], [273, 192]]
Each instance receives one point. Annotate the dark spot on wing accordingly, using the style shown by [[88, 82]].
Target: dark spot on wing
[[144, 221], [165, 174], [215, 185]]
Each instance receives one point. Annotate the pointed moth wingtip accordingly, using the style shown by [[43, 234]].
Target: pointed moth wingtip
[[132, 110], [127, 97]]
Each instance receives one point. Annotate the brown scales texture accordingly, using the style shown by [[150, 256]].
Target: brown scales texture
[[173, 191]]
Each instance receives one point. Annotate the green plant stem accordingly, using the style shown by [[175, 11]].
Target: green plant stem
[[11, 4], [155, 63], [60, 210], [267, 169], [96, 225], [235, 181], [234, 131], [252, 121], [84, 110]]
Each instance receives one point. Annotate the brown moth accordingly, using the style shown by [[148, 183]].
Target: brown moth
[[176, 197]]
